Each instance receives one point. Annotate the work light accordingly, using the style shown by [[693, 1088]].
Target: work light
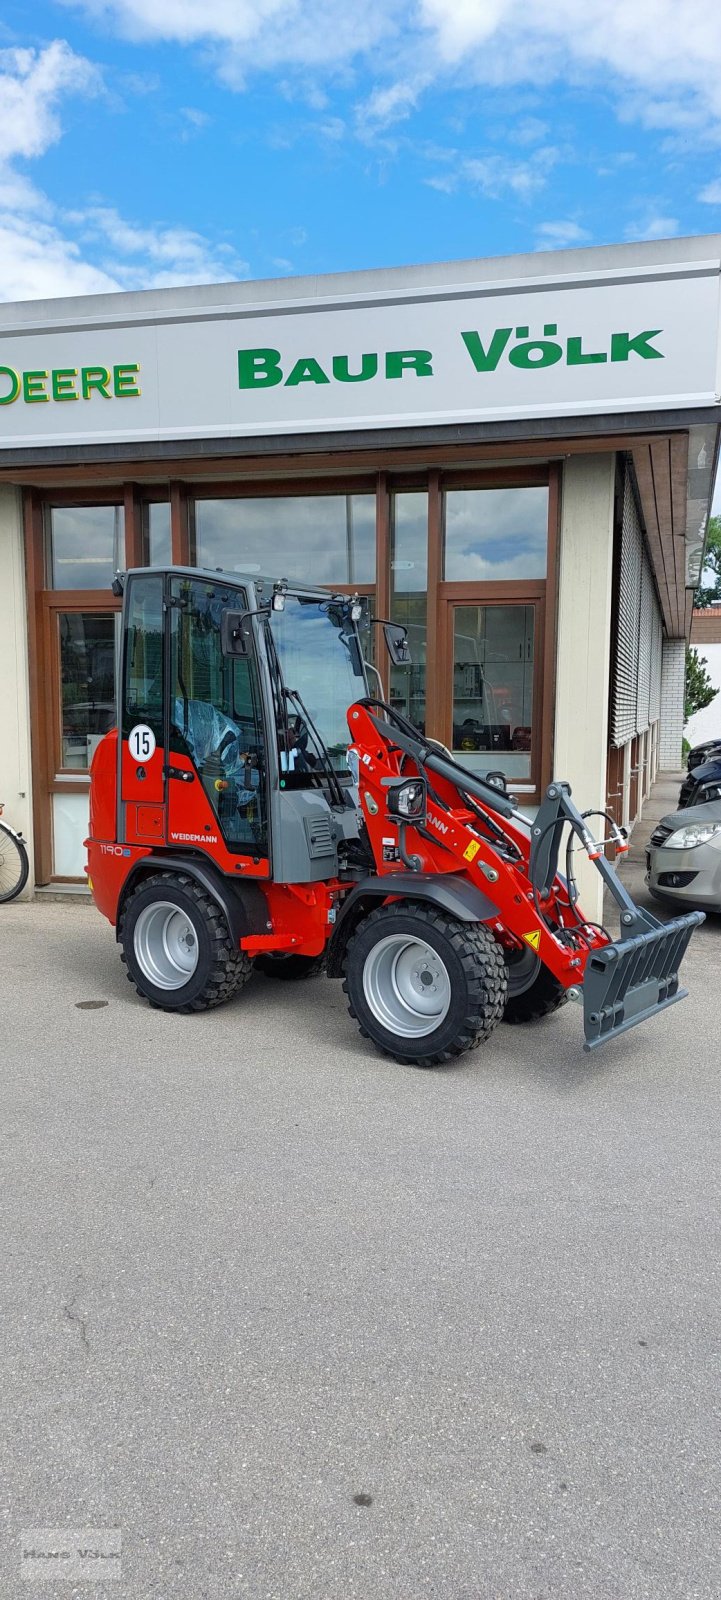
[[408, 800]]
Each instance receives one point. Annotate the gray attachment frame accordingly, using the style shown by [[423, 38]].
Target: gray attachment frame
[[636, 976]]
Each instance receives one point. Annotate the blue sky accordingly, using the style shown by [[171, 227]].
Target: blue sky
[[152, 142]]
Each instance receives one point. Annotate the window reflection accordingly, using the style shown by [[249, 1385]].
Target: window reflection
[[87, 546], [87, 677], [493, 650], [493, 534], [409, 600], [156, 526], [320, 539]]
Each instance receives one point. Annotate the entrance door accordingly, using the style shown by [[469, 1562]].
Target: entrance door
[[493, 654]]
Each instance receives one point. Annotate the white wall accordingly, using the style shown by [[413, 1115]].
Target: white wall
[[584, 643], [673, 679], [706, 724], [15, 778]]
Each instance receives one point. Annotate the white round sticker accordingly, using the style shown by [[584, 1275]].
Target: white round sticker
[[141, 742]]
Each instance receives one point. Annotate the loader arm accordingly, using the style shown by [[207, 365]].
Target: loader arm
[[468, 827]]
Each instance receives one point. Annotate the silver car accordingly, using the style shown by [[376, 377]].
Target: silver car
[[683, 858]]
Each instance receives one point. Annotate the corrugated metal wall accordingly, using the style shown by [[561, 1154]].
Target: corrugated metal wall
[[636, 664]]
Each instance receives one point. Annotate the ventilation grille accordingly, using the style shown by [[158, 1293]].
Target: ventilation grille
[[318, 834]]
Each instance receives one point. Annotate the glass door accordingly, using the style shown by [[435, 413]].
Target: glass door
[[493, 682], [79, 710]]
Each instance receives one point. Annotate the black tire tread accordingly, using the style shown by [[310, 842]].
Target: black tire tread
[[543, 996], [231, 968], [484, 965]]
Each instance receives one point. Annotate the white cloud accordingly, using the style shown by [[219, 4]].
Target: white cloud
[[560, 235], [385, 106], [494, 175], [31, 84], [654, 226], [711, 195], [47, 252], [260, 33], [662, 58]]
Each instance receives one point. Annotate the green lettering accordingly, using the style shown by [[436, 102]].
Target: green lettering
[[63, 383], [96, 378], [369, 368], [486, 360], [15, 385], [418, 361], [622, 346], [307, 370], [576, 356], [125, 382], [33, 389], [259, 369]]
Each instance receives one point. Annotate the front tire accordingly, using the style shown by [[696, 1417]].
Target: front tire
[[423, 986], [176, 945]]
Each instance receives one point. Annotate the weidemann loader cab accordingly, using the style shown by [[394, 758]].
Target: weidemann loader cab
[[256, 806]]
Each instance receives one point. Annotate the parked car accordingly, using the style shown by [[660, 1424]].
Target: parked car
[[709, 751], [683, 857], [701, 785]]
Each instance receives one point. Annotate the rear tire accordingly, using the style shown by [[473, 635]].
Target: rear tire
[[533, 992], [176, 945], [423, 986], [291, 967]]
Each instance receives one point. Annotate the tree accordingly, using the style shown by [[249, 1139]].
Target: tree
[[699, 691], [709, 592]]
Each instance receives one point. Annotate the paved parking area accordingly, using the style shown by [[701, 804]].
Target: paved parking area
[[306, 1325]]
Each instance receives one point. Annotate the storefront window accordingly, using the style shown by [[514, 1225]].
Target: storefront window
[[87, 679], [87, 546], [493, 650], [495, 534], [156, 529], [409, 600], [317, 539]]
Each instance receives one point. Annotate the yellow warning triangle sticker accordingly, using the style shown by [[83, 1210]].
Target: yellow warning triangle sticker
[[534, 938]]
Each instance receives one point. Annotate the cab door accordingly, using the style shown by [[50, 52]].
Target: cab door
[[143, 786], [217, 779]]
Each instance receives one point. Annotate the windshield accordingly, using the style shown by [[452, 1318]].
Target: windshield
[[316, 662]]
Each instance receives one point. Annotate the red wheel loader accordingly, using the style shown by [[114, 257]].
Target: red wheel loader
[[258, 807]]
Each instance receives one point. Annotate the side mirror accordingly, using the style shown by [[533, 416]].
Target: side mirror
[[397, 643], [235, 633]]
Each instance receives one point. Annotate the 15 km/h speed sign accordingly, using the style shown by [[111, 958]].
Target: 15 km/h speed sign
[[141, 742]]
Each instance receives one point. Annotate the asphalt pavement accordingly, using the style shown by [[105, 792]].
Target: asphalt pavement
[[297, 1323]]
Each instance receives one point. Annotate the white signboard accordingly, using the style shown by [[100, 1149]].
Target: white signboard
[[539, 348]]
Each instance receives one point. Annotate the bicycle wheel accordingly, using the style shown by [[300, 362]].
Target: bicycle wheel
[[14, 865]]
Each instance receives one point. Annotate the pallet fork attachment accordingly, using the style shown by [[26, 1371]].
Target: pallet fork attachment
[[634, 977]]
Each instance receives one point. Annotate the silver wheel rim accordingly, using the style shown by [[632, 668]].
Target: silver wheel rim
[[406, 986], [522, 967], [165, 945]]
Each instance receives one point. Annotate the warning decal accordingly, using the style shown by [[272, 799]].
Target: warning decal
[[534, 938], [471, 850]]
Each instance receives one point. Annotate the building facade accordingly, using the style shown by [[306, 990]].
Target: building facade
[[513, 457]]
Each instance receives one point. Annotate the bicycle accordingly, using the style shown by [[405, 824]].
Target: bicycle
[[14, 863]]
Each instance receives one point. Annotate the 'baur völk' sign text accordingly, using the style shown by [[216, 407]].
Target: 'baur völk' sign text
[[261, 367]]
